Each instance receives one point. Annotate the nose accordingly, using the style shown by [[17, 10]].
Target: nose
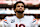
[[20, 7]]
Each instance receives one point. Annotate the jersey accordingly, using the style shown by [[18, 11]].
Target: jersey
[[26, 21], [2, 23]]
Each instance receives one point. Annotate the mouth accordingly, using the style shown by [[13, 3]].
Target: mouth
[[20, 12], [20, 9]]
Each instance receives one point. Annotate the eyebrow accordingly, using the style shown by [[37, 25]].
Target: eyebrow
[[19, 5]]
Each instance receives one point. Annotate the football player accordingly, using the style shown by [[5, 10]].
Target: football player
[[20, 20]]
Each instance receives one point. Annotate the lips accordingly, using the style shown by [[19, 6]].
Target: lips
[[20, 9]]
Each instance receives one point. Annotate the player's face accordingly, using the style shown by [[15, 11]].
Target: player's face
[[19, 8]]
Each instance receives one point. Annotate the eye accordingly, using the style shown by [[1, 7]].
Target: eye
[[22, 6], [18, 6]]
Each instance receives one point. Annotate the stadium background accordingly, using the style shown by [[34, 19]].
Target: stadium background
[[32, 7]]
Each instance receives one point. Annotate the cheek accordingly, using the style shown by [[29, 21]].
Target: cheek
[[22, 8], [17, 8]]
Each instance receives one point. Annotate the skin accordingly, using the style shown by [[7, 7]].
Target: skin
[[18, 7], [0, 20]]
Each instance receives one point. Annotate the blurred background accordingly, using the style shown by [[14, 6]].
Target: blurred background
[[32, 7]]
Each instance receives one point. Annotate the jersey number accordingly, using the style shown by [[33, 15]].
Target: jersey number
[[20, 25]]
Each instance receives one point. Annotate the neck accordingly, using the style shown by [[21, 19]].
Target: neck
[[20, 15]]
